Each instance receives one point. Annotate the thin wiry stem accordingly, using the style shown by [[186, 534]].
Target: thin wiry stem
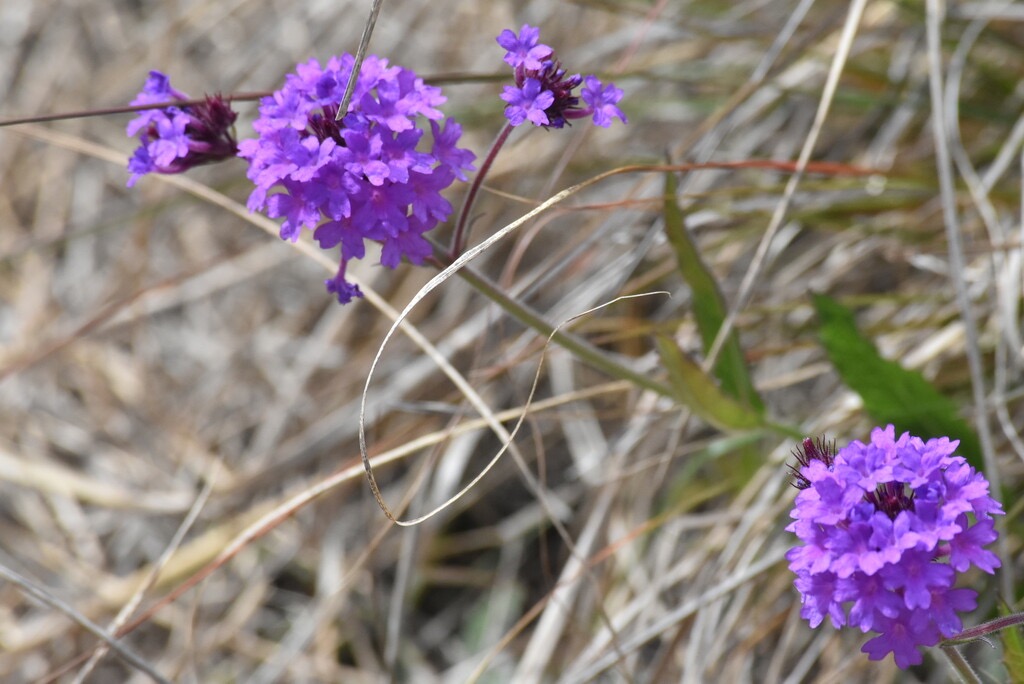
[[960, 665], [126, 611], [983, 630], [364, 43], [460, 235], [107, 111], [111, 640]]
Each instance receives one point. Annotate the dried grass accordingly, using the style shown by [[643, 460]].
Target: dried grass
[[175, 383]]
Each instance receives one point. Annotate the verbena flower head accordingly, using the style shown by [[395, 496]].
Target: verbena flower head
[[884, 529], [367, 177], [543, 94], [175, 139]]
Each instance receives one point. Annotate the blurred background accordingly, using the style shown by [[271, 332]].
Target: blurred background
[[170, 372]]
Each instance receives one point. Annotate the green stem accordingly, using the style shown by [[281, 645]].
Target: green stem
[[581, 349], [584, 350], [963, 668]]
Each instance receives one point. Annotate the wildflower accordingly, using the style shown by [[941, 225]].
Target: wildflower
[[602, 100], [367, 177], [176, 138], [543, 93], [528, 103], [887, 526], [810, 451], [524, 50]]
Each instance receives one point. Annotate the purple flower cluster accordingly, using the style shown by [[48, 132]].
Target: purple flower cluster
[[543, 94], [174, 139], [886, 526], [365, 179]]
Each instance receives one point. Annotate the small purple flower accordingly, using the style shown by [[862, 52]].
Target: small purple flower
[[528, 102], [176, 138], [524, 50], [602, 99], [341, 288], [445, 150], [364, 178], [903, 637], [543, 93], [888, 526]]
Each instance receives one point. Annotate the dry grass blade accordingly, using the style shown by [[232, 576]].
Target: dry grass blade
[[957, 262], [126, 611], [782, 208], [106, 637], [364, 44]]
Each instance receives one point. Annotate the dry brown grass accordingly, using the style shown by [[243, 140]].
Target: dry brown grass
[[167, 368]]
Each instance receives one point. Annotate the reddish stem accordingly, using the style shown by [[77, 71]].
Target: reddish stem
[[122, 110], [461, 234], [984, 629]]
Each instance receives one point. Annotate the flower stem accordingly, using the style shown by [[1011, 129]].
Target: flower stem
[[461, 233], [960, 664], [986, 628], [43, 118], [581, 349]]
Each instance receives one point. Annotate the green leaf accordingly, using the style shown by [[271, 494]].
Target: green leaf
[[699, 392], [709, 307], [1013, 650], [891, 393]]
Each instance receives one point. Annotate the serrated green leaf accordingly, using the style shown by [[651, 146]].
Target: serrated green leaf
[[709, 308], [699, 392], [891, 393]]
